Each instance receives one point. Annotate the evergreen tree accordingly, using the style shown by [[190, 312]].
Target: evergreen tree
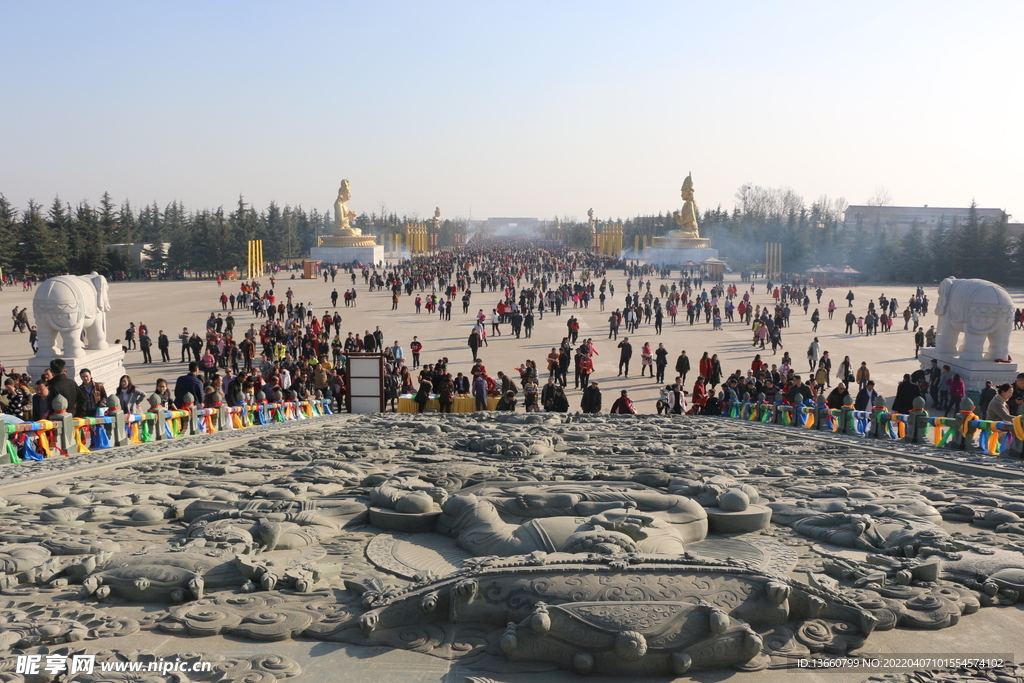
[[39, 250], [59, 222], [8, 234], [92, 255], [127, 224]]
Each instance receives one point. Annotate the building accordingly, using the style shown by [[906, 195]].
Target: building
[[513, 227], [901, 218], [134, 253]]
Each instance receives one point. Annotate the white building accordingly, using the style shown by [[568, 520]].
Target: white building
[[901, 218]]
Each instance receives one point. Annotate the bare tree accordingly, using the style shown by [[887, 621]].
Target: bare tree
[[881, 197]]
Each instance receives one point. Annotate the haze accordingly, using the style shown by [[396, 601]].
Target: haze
[[510, 109]]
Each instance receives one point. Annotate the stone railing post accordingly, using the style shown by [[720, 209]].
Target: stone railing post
[[957, 440], [845, 415], [917, 422], [65, 425], [156, 403], [193, 415], [876, 429]]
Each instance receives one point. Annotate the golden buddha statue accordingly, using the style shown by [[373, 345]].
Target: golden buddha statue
[[344, 235], [687, 235], [687, 217]]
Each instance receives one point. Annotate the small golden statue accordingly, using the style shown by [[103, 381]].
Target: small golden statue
[[687, 217], [342, 216]]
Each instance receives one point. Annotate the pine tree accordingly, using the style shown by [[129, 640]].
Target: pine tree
[[128, 226], [92, 252], [39, 250], [8, 234]]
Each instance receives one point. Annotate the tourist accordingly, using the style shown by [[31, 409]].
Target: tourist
[[999, 408], [906, 392], [866, 397], [812, 354], [13, 399], [188, 383], [646, 359], [623, 405], [987, 394], [957, 391], [62, 385], [128, 396], [591, 401], [660, 362], [41, 401], [918, 341], [683, 365], [422, 396], [699, 396], [863, 375], [507, 402], [561, 401], [625, 353], [95, 393], [676, 400], [480, 391]]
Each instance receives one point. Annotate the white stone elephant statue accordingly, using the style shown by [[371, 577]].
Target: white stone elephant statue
[[980, 310], [68, 306]]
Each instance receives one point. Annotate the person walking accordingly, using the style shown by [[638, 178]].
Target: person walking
[[813, 352], [164, 344], [683, 366], [660, 362], [146, 346], [625, 353]]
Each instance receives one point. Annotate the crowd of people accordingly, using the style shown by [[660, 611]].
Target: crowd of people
[[287, 345]]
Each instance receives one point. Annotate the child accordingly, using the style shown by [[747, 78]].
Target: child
[[860, 325]]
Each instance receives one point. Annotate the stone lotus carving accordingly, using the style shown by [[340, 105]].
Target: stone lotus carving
[[981, 311], [270, 541]]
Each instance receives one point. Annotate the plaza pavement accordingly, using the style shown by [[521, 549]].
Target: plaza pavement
[[173, 305]]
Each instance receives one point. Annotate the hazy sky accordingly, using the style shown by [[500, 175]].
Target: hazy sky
[[510, 109]]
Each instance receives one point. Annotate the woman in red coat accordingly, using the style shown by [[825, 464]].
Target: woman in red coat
[[704, 366], [699, 396]]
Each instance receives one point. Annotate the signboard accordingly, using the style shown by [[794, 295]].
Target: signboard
[[365, 382]]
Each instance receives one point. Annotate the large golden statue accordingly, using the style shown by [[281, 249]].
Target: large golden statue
[[342, 216], [687, 217], [344, 235]]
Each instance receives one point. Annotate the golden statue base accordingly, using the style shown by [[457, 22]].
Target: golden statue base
[[673, 242], [346, 241]]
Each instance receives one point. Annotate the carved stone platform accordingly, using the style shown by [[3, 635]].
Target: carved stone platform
[[974, 373], [106, 365], [676, 256], [343, 255]]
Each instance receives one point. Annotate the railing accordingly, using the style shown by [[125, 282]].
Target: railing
[[961, 432], [66, 435]]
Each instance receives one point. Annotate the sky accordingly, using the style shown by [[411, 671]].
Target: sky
[[529, 109]]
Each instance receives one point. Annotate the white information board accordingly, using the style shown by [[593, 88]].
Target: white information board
[[365, 382]]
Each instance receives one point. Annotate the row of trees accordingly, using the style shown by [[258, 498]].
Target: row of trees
[[64, 238]]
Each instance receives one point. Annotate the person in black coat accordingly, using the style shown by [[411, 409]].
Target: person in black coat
[[591, 401], [423, 395], [906, 392], [62, 385]]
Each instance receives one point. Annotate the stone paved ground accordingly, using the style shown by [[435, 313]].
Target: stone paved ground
[[326, 462], [173, 305]]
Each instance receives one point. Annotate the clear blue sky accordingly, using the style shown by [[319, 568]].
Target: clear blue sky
[[510, 109]]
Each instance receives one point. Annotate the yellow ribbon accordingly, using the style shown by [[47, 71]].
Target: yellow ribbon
[[1018, 427]]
